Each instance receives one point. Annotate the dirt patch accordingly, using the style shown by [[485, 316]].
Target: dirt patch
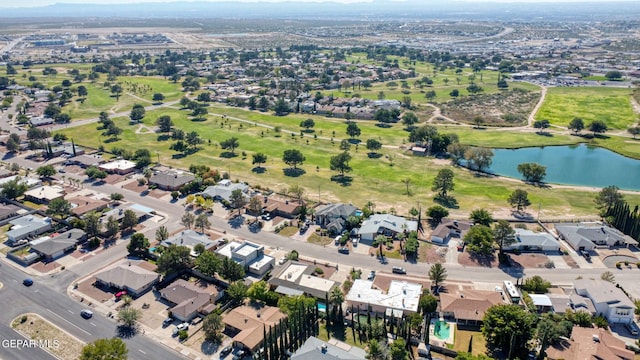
[[113, 178], [529, 260], [49, 337], [157, 193], [134, 186], [570, 262], [432, 253], [45, 267], [88, 289]]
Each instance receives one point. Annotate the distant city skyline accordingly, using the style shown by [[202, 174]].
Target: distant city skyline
[[38, 3]]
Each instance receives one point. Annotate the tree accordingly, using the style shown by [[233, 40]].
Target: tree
[[116, 197], [112, 227], [259, 158], [46, 171], [259, 290], [481, 217], [457, 152], [376, 351], [454, 93], [398, 349], [598, 127], [231, 144], [474, 89], [373, 145], [105, 349], [138, 244], [437, 213], [340, 163], [281, 107], [59, 207], [353, 130], [117, 90], [14, 188], [202, 222], [345, 145], [608, 276], [174, 259], [208, 263], [212, 326], [536, 284], [519, 199], [231, 270], [237, 199], [94, 173], [428, 303], [336, 298], [576, 125], [293, 157], [307, 124], [237, 291], [193, 139], [443, 182], [479, 239], [187, 219], [634, 131], [113, 130], [93, 225], [503, 235], [607, 197], [164, 123], [137, 113], [541, 125], [128, 316], [508, 327], [409, 119], [613, 75], [158, 97], [532, 172], [479, 158], [162, 234], [548, 330], [437, 274], [129, 220]]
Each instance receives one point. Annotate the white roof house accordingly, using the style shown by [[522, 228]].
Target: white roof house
[[250, 255], [44, 194], [26, 226], [118, 166], [385, 224], [223, 190], [609, 300], [401, 298], [295, 277]]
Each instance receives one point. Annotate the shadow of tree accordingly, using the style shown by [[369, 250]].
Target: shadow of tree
[[178, 156], [126, 332], [163, 137], [259, 170], [343, 180], [354, 141], [374, 155], [485, 260], [447, 201], [544, 133], [228, 155], [293, 172]]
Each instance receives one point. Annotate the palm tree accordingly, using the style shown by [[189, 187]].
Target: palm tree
[[437, 274], [336, 298], [162, 234]]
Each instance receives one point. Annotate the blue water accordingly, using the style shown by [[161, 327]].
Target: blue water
[[358, 213], [322, 307], [441, 330], [153, 249], [572, 165]]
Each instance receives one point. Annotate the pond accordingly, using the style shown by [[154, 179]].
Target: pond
[[580, 165]]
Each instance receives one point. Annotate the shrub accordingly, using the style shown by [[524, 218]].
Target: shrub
[[318, 271], [183, 335], [23, 319]]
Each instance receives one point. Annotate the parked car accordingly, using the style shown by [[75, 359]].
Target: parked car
[[27, 282], [372, 275], [166, 322], [586, 256], [633, 328], [120, 294], [87, 314], [398, 270], [343, 250], [183, 326], [355, 242], [337, 240], [225, 351], [239, 355]]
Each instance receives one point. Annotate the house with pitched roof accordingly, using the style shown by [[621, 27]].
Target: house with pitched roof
[[27, 226], [527, 240], [246, 324], [385, 224], [589, 343], [223, 189], [448, 229], [316, 349], [586, 237], [171, 180], [468, 306], [55, 247], [8, 211], [189, 300], [609, 301], [129, 276], [333, 217], [190, 238]]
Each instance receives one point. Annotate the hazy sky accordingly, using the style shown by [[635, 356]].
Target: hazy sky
[[26, 3]]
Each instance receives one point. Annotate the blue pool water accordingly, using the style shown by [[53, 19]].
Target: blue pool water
[[153, 249], [441, 330], [322, 307]]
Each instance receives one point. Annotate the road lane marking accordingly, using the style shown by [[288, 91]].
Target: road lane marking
[[70, 311], [93, 324], [142, 352], [70, 323]]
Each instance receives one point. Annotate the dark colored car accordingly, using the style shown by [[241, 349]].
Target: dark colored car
[[166, 322], [398, 270], [27, 282], [225, 351], [343, 250]]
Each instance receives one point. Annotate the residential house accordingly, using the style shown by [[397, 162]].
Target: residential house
[[189, 300], [448, 229], [171, 180], [589, 343], [527, 240], [190, 238], [246, 324], [295, 278], [280, 207], [27, 226], [314, 349], [131, 276], [44, 194], [223, 189], [385, 224], [121, 167], [86, 161], [67, 148], [586, 237], [468, 306], [542, 302], [57, 246], [250, 255], [83, 204], [401, 297], [118, 213], [8, 211], [29, 181], [333, 217], [609, 301]]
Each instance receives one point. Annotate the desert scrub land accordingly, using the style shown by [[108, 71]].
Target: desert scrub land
[[505, 108], [53, 339]]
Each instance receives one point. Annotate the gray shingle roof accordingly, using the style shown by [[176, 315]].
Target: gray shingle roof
[[387, 221], [128, 275]]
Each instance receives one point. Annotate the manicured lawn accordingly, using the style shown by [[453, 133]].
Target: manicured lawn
[[340, 332], [288, 231], [610, 105]]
